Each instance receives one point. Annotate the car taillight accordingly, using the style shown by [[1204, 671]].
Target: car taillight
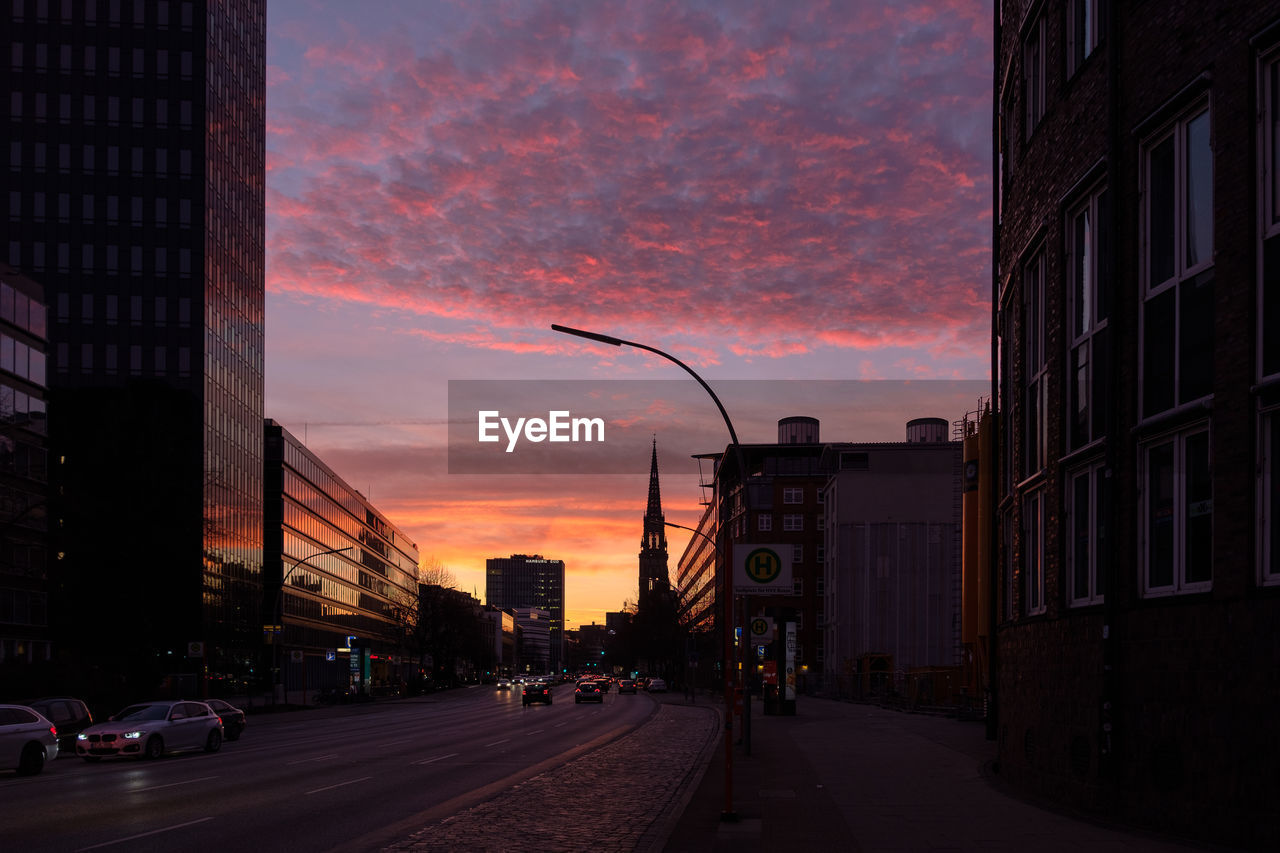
[[53, 730]]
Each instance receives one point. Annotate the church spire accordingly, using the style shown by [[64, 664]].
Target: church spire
[[654, 575]]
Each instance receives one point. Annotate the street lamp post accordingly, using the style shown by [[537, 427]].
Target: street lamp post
[[728, 813], [278, 614]]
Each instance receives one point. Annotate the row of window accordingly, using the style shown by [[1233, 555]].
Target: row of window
[[107, 359], [159, 315], [791, 522], [65, 59], [107, 208], [108, 261], [131, 112], [110, 12], [93, 159], [22, 360], [21, 310]]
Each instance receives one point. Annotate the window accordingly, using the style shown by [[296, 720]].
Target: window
[[1090, 295], [1035, 370], [1087, 545], [1084, 30], [793, 522], [1033, 66], [1177, 513], [797, 553], [1177, 317], [1270, 499], [764, 522], [793, 496], [797, 586], [1269, 182], [1033, 553]]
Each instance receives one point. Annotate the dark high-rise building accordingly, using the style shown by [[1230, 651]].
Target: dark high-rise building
[[522, 581], [655, 578], [135, 179], [24, 482], [1137, 306]]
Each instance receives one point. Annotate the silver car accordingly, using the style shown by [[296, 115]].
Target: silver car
[[27, 740], [150, 729]]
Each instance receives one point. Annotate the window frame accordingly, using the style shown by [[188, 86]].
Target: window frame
[[1034, 66], [1268, 161], [1087, 329], [1184, 277], [1096, 482], [1092, 24], [1033, 553], [1035, 367], [1180, 512], [1268, 570], [793, 522]]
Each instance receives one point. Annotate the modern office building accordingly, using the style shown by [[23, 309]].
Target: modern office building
[[24, 482], [1137, 307], [331, 599], [696, 576], [534, 634], [135, 183], [523, 581]]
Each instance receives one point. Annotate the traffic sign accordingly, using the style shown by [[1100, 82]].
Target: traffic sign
[[763, 569], [761, 629]]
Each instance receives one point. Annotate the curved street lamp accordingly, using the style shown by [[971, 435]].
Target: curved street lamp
[[729, 659], [278, 612]]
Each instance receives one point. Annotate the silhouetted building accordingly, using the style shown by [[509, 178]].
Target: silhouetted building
[[354, 599], [891, 589], [24, 480], [533, 640], [135, 180], [500, 633], [1137, 304], [655, 579], [522, 581]]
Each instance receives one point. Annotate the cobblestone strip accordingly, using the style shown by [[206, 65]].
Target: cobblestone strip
[[617, 798]]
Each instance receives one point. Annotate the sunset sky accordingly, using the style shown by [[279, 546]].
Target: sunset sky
[[774, 191]]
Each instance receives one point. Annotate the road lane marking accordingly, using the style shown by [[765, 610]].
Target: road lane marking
[[340, 785], [496, 742], [173, 784], [437, 758], [317, 758], [144, 834], [558, 725], [536, 732]]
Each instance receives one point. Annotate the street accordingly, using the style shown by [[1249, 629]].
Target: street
[[352, 776]]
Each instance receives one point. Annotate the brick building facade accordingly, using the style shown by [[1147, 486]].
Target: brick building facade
[[1137, 292]]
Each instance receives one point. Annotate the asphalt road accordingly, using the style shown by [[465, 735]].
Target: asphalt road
[[350, 778]]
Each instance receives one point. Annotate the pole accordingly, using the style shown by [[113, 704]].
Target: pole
[[728, 616]]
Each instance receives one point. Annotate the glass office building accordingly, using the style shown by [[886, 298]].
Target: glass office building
[[524, 581], [330, 595], [135, 184]]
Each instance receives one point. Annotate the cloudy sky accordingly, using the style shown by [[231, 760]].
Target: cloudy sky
[[766, 190]]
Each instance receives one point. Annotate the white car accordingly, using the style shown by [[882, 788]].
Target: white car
[[656, 685], [151, 729], [27, 740]]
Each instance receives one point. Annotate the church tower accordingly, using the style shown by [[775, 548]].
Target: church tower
[[653, 544]]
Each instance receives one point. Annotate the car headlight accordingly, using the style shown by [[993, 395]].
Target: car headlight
[[82, 736], [132, 735]]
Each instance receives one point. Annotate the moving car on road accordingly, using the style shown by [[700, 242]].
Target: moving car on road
[[657, 685], [535, 692], [233, 719], [626, 685], [588, 691], [27, 740], [151, 729]]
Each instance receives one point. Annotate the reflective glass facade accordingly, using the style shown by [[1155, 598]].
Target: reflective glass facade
[[327, 597], [522, 581], [135, 183], [24, 474]]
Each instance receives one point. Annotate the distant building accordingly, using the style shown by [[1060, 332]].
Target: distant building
[[891, 587], [530, 581], [24, 480], [1137, 308], [136, 184], [327, 598], [500, 633], [655, 579], [696, 576], [533, 640]]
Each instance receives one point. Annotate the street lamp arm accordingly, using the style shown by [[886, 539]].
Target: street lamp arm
[[619, 342], [307, 560], [710, 541]]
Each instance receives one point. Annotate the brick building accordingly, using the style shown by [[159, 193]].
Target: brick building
[[1137, 312]]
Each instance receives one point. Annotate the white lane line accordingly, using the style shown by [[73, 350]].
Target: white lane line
[[317, 758], [558, 725], [173, 785], [496, 742], [536, 732], [145, 834], [339, 785], [437, 758]]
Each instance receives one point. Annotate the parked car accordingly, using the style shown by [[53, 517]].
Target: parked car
[[588, 691], [27, 740], [151, 729], [233, 719], [535, 692], [626, 685], [70, 716], [657, 685]]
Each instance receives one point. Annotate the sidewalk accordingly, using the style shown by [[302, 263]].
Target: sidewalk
[[841, 776]]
